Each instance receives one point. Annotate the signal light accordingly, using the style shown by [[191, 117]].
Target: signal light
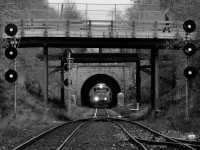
[[66, 67], [189, 49], [66, 82], [190, 72], [11, 76], [189, 26], [11, 29], [11, 52]]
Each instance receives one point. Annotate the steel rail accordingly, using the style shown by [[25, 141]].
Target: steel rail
[[194, 144], [63, 145], [95, 114], [187, 141], [107, 113], [166, 143], [43, 134], [158, 134], [133, 139]]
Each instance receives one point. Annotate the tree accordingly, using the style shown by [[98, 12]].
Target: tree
[[26, 9], [144, 10], [69, 10]]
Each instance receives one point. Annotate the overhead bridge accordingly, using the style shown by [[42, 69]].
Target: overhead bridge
[[100, 34], [97, 28]]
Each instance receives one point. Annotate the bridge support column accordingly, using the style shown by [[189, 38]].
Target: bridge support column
[[138, 81], [155, 78], [45, 74], [62, 91]]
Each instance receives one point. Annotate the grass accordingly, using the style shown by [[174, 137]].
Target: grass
[[173, 122], [29, 121]]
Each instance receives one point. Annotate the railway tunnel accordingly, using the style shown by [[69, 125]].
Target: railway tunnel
[[99, 78]]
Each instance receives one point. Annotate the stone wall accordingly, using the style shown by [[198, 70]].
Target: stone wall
[[122, 73]]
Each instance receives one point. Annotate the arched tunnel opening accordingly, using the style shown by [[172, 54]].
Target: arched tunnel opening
[[99, 78]]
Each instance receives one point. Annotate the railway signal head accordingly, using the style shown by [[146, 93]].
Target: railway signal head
[[66, 82], [11, 52], [189, 49], [189, 26], [11, 76], [66, 67], [11, 29], [190, 72]]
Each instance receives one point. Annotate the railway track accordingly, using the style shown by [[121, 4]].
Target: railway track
[[105, 113], [139, 136], [54, 138], [152, 139], [101, 113], [144, 143]]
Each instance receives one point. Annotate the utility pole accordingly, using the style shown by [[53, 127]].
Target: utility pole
[[189, 49], [70, 62], [15, 93], [69, 79], [186, 95]]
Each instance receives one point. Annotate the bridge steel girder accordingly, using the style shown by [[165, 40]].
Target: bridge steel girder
[[80, 42], [104, 57], [96, 57]]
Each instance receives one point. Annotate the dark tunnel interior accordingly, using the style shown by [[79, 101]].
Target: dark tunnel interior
[[99, 78]]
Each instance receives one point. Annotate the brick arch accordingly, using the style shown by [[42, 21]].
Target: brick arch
[[99, 78]]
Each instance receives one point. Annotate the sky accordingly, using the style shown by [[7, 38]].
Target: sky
[[98, 12], [95, 1]]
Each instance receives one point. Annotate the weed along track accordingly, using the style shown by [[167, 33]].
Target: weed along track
[[104, 132]]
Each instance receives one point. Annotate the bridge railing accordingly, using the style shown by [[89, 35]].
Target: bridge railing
[[87, 11], [97, 28]]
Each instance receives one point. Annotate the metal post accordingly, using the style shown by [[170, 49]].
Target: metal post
[[86, 12], [115, 12], [138, 81], [112, 15], [63, 86], [69, 80], [45, 75], [100, 56], [157, 93], [61, 15], [15, 93], [59, 11], [186, 95], [153, 79], [124, 75]]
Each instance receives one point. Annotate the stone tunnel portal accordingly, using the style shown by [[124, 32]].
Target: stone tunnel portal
[[99, 78]]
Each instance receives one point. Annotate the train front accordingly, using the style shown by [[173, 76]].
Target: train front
[[100, 96]]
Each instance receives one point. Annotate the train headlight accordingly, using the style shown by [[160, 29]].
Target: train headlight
[[105, 98], [101, 86], [96, 98]]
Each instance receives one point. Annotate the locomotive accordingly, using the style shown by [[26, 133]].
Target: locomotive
[[100, 95]]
